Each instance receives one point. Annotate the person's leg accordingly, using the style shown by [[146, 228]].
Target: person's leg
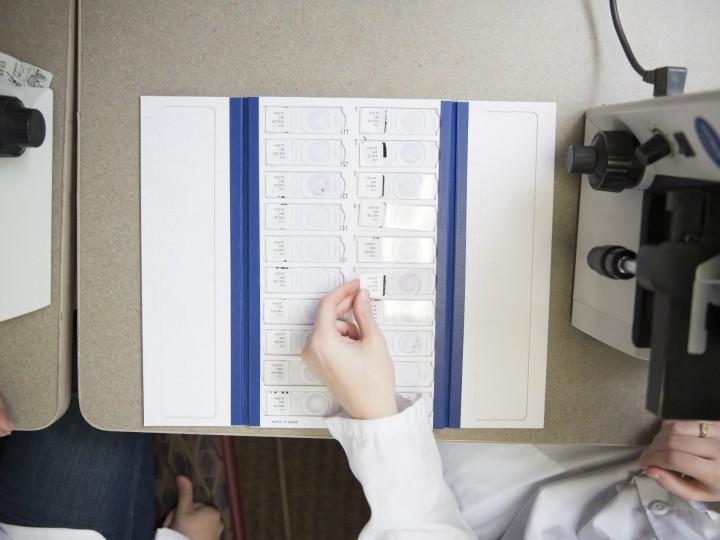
[[72, 475]]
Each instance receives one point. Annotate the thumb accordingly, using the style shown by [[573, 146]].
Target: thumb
[[169, 518], [686, 488], [6, 424], [185, 495], [363, 314]]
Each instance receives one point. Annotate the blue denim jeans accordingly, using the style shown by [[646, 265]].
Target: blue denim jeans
[[72, 475]]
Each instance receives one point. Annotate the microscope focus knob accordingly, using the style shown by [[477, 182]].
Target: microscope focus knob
[[655, 148], [609, 161], [20, 127], [614, 262], [581, 159]]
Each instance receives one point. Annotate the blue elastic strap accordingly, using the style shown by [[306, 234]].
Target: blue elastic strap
[[238, 375], [252, 259], [458, 314], [244, 263], [445, 263]]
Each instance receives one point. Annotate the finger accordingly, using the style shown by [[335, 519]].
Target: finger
[[327, 308], [675, 460], [690, 428], [169, 518], [347, 329], [705, 448], [344, 306], [687, 488], [7, 425], [363, 314], [185, 494]]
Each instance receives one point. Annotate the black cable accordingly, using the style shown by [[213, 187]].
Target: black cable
[[647, 76]]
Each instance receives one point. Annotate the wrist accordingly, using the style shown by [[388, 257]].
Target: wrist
[[378, 410]]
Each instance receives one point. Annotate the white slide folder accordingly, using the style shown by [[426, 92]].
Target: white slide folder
[[185, 216], [508, 237]]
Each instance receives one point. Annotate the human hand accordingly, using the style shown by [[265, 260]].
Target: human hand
[[352, 359], [6, 425], [678, 448], [195, 520]]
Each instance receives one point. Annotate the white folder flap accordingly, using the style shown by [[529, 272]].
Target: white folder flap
[[507, 266], [185, 217]]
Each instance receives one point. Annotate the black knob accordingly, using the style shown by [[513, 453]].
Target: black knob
[[610, 261], [20, 127], [655, 148], [581, 159], [609, 162]]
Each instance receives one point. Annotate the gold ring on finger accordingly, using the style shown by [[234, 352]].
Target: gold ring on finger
[[703, 430]]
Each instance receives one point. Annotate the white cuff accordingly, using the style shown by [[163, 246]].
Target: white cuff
[[169, 534], [397, 462], [411, 417]]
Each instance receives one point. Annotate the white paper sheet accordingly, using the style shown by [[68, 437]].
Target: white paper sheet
[[16, 73]]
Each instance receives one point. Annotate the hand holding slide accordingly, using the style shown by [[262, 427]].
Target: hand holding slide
[[352, 359]]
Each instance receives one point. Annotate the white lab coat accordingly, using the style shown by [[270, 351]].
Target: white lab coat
[[14, 532], [474, 490]]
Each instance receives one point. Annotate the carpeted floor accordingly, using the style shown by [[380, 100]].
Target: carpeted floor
[[292, 489]]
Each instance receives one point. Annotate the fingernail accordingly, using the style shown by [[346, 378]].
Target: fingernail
[[364, 295], [653, 475]]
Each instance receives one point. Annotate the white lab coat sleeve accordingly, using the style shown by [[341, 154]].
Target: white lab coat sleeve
[[15, 532], [169, 534], [398, 464]]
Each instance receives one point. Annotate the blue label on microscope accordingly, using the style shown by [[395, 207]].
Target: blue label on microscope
[[709, 139]]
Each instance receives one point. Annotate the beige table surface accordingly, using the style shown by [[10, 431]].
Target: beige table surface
[[559, 50], [35, 349]]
